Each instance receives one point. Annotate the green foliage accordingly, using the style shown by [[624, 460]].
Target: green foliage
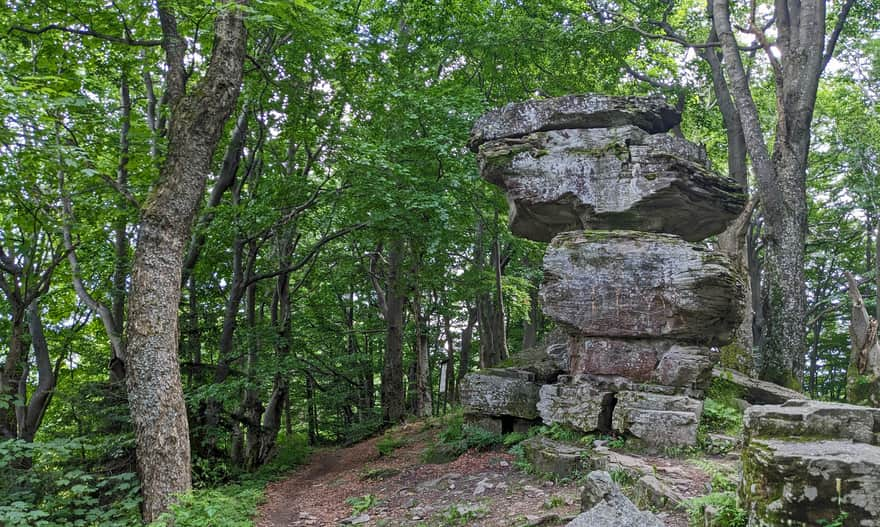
[[235, 504], [60, 482], [728, 513], [719, 417], [457, 438], [361, 504], [553, 502], [560, 432], [838, 521], [455, 515], [514, 438], [388, 443], [623, 478]]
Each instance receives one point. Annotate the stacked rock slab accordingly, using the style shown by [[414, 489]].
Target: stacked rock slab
[[621, 202], [811, 463]]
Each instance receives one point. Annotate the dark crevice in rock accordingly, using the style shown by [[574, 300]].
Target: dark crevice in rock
[[609, 401]]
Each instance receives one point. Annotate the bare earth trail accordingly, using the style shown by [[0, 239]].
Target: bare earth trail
[[480, 489]]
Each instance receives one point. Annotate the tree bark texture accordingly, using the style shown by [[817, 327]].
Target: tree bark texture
[[863, 375], [797, 62], [152, 373]]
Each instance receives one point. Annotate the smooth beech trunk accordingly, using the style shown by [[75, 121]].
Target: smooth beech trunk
[[197, 122]]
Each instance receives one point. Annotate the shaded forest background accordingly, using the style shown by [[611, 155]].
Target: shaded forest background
[[345, 250]]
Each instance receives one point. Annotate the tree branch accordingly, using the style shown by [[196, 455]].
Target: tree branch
[[127, 40]]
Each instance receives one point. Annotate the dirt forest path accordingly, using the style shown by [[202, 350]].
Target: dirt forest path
[[482, 489]]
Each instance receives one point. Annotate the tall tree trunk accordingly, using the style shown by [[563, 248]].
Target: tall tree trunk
[[863, 375], [155, 393], [490, 304], [451, 379], [532, 324], [467, 340], [424, 406], [732, 242], [797, 60], [392, 300]]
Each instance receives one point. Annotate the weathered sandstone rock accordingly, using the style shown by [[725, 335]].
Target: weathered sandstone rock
[[500, 392], [655, 419], [755, 391], [553, 457], [651, 114], [645, 360], [802, 483], [814, 420], [809, 462], [606, 506], [617, 178], [631, 284]]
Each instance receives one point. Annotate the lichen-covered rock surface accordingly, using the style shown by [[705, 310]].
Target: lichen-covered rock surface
[[663, 361], [500, 392], [809, 463], [614, 178], [606, 506], [637, 285], [651, 114], [803, 483], [547, 456]]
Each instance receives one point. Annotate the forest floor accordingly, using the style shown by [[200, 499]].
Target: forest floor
[[358, 486]]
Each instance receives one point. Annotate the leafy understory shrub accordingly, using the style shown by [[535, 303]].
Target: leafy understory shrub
[[457, 438], [235, 504], [388, 444], [361, 504], [726, 512], [76, 482]]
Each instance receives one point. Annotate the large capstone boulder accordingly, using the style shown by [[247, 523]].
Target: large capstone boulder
[[806, 483], [809, 463], [500, 392], [662, 361], [651, 114], [629, 284], [616, 178], [605, 506]]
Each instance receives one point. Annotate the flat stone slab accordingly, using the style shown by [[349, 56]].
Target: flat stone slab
[[652, 114], [609, 179], [756, 391], [802, 483], [637, 285], [812, 420], [606, 506], [500, 393]]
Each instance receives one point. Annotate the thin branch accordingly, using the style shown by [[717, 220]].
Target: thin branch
[[89, 33], [835, 34]]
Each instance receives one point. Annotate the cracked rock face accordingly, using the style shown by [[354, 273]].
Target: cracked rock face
[[807, 462], [615, 178], [651, 114], [500, 393], [635, 285], [662, 361]]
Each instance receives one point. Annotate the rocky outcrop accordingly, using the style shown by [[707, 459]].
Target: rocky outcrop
[[637, 285], [616, 178], [589, 404], [641, 303], [809, 462], [606, 506], [651, 114]]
